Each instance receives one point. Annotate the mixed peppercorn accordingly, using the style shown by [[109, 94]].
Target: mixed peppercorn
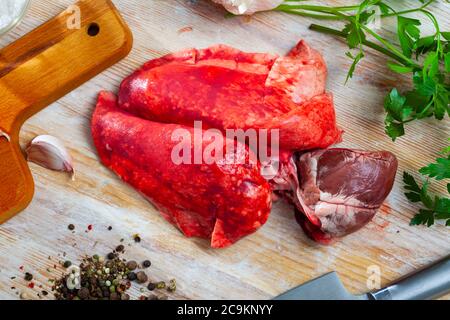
[[109, 278], [99, 278]]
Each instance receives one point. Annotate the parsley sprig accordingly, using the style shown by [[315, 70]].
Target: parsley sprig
[[434, 207], [426, 58]]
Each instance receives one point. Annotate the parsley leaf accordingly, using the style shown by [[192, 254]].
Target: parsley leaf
[[447, 62], [356, 60], [441, 100], [395, 106], [424, 45], [408, 33], [439, 170], [398, 112], [435, 207], [354, 35], [399, 68], [393, 129], [423, 217], [431, 65]]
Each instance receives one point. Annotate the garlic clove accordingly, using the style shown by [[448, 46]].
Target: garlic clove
[[49, 152], [248, 7]]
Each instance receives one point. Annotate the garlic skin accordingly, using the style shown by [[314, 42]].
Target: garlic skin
[[5, 135], [248, 7], [49, 152]]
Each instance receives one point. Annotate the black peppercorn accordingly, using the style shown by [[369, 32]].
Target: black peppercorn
[[146, 264], [132, 276], [83, 293], [28, 276]]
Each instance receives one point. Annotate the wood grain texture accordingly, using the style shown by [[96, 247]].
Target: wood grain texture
[[42, 67], [278, 256]]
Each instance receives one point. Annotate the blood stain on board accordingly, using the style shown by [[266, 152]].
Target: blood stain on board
[[385, 209], [185, 29]]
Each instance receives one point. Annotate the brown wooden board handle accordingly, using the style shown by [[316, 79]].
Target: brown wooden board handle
[[40, 68], [16, 183]]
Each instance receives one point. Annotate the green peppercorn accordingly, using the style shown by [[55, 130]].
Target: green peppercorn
[[172, 285], [67, 264], [112, 289], [161, 285]]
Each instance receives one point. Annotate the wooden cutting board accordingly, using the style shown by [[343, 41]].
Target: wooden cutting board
[[278, 256], [43, 66]]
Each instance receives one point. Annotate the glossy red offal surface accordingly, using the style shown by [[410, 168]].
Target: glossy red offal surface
[[335, 191], [229, 89], [340, 190], [223, 201]]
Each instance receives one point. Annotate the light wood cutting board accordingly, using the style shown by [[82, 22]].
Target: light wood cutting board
[[278, 256]]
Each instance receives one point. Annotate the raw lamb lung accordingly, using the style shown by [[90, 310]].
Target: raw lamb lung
[[340, 190], [224, 201], [230, 89]]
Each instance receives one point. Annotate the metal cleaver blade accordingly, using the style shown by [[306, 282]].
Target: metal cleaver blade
[[326, 287]]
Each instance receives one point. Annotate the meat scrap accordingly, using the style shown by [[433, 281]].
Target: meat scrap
[[222, 201]]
